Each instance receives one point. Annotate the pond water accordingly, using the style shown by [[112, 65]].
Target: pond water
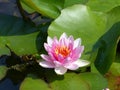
[[7, 84]]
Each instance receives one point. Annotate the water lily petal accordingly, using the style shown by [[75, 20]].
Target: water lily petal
[[72, 66], [81, 63], [63, 36], [62, 42], [57, 64], [71, 42], [77, 43], [60, 58], [45, 57], [47, 47], [76, 53], [49, 41], [55, 41], [52, 56], [60, 70], [46, 64], [71, 39]]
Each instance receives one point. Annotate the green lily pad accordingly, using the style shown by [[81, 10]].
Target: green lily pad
[[115, 69], [79, 21], [31, 82], [70, 81], [21, 37], [113, 76], [113, 16], [3, 70], [103, 5], [72, 2], [95, 81], [107, 50], [49, 8], [27, 8]]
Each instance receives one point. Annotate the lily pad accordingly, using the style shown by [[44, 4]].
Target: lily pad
[[113, 16], [49, 8], [31, 82], [70, 81], [115, 69], [95, 81], [79, 21], [72, 2], [103, 5], [107, 51], [21, 37], [3, 70]]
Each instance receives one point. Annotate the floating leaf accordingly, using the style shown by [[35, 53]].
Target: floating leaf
[[79, 21], [72, 2], [95, 81], [19, 36], [115, 69], [70, 81], [114, 82], [27, 8], [107, 51], [49, 8], [33, 83], [103, 5], [113, 16], [113, 76], [3, 70]]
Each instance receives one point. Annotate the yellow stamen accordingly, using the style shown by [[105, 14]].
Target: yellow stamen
[[63, 50]]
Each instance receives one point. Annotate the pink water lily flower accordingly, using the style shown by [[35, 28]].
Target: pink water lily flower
[[63, 54]]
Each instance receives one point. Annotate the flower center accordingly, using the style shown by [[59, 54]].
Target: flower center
[[63, 50]]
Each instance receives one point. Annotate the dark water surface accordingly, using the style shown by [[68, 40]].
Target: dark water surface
[[7, 84], [8, 7]]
